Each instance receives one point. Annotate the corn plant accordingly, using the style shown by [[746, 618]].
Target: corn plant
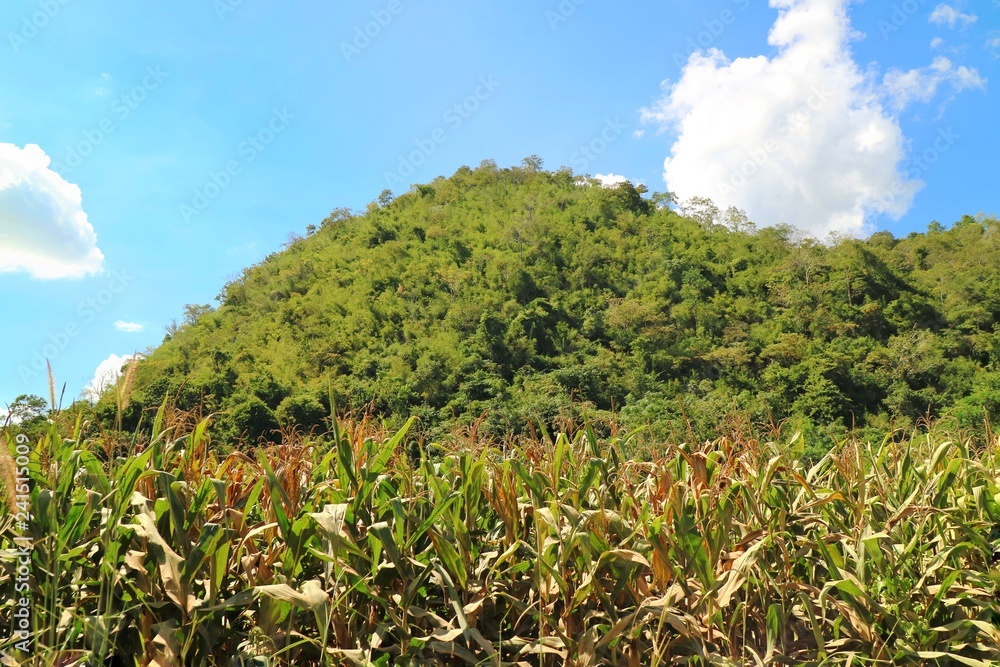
[[363, 548]]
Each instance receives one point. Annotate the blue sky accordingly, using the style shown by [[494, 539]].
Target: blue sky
[[196, 136]]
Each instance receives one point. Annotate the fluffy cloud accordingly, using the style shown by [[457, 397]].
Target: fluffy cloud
[[804, 137], [106, 376], [948, 15], [44, 230], [129, 327], [922, 84], [610, 180], [604, 180]]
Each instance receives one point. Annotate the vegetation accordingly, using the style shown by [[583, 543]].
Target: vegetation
[[343, 550], [843, 509], [519, 296]]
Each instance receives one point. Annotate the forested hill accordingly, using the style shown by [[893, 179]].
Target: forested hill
[[519, 295]]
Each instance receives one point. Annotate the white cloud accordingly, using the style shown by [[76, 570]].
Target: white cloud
[[5, 415], [638, 134], [936, 43], [922, 84], [129, 327], [44, 230], [106, 376], [610, 180], [604, 180], [948, 15], [803, 137]]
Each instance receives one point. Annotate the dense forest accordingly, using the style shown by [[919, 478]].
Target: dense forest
[[513, 297]]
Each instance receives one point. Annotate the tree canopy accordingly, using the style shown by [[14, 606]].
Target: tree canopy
[[519, 295]]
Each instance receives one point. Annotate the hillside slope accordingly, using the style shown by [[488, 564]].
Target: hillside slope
[[517, 294]]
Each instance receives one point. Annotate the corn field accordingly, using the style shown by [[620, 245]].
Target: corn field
[[361, 548]]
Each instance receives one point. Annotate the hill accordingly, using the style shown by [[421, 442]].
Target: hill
[[520, 295]]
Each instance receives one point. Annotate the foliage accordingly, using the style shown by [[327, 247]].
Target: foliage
[[515, 293], [29, 412], [344, 551], [26, 408]]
